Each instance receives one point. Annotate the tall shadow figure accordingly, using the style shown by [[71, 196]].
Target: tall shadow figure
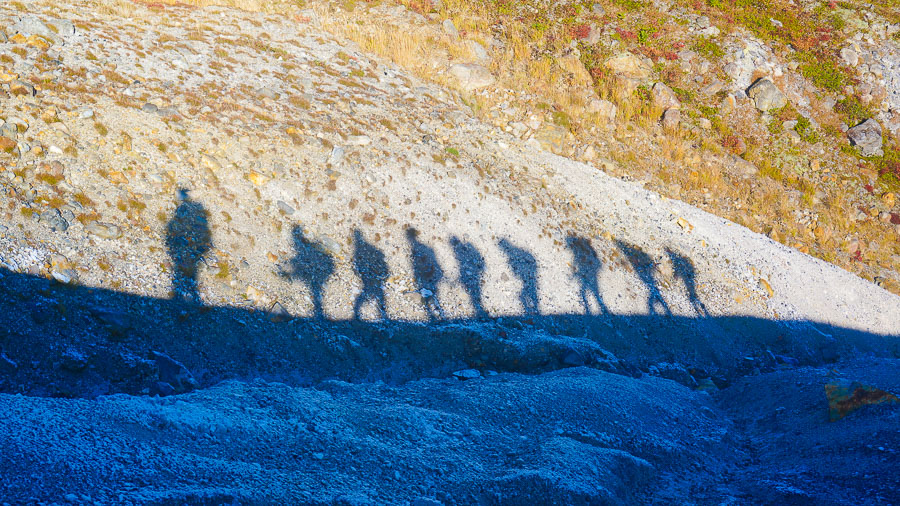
[[646, 270], [683, 267], [372, 269], [586, 266], [471, 272], [311, 265], [427, 273], [524, 267], [188, 240]]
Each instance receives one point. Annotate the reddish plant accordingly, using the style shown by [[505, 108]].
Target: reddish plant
[[891, 170], [733, 143], [678, 45], [626, 34], [597, 73], [581, 31]]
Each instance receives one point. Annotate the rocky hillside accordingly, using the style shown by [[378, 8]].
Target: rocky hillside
[[245, 252]]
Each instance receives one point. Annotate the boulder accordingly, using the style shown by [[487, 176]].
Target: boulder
[[552, 138], [867, 137], [664, 97], [629, 66], [604, 108], [573, 65], [671, 118], [766, 95], [471, 76]]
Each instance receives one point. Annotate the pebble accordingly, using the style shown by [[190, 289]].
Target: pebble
[[467, 374], [103, 230]]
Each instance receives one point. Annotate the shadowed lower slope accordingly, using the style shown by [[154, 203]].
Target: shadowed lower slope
[[62, 340]]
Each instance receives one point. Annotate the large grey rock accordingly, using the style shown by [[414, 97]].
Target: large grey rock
[[766, 96], [471, 76], [867, 137]]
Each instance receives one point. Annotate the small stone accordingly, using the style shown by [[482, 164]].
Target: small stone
[[210, 162], [267, 92], [21, 88], [103, 230], [278, 314], [7, 145], [684, 224], [450, 29], [359, 140], [257, 178], [471, 76], [149, 108], [671, 118], [53, 218], [173, 372], [467, 374], [766, 96], [850, 57], [285, 207], [889, 199], [478, 50], [763, 284], [867, 136], [336, 156]]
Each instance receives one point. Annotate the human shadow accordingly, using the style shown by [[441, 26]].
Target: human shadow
[[427, 273], [645, 268], [312, 265], [188, 240], [471, 272], [586, 266], [372, 268], [524, 267], [684, 270]]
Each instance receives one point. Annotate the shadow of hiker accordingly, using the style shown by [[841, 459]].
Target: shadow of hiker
[[524, 267], [471, 272], [683, 267], [427, 273], [646, 270], [188, 240], [586, 266], [311, 265], [372, 268]]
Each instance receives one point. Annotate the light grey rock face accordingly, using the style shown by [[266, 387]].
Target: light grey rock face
[[30, 25], [867, 136], [471, 76], [766, 96]]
